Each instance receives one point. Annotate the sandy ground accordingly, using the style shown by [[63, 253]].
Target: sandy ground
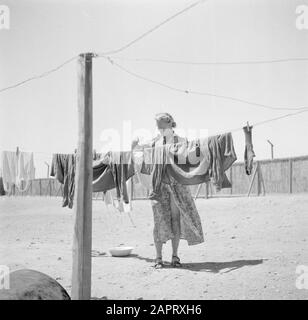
[[252, 248]]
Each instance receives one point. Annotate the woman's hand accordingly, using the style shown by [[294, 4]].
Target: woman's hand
[[135, 143]]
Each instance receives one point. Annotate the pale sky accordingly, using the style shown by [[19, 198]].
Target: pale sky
[[41, 116]]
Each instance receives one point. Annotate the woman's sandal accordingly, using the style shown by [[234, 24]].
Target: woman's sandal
[[175, 262], [158, 263]]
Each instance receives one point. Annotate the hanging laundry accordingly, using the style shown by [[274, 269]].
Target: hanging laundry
[[128, 207], [249, 153], [112, 172], [111, 175], [17, 168], [63, 169], [107, 198], [190, 162], [25, 169], [187, 165], [204, 159], [122, 167], [139, 177], [222, 156], [96, 156], [2, 191], [9, 169]]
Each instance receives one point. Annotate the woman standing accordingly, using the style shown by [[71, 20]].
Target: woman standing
[[175, 213]]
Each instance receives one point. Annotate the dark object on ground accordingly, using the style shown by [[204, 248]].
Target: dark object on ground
[[28, 284]]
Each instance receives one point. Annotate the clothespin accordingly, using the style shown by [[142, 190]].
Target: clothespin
[[248, 126], [17, 151], [75, 151]]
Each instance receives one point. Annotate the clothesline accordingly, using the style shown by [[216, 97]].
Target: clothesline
[[231, 131], [199, 93], [107, 54], [129, 44], [208, 63], [241, 128], [145, 34]]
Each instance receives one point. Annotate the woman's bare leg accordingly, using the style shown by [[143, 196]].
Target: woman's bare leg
[[176, 227], [159, 249]]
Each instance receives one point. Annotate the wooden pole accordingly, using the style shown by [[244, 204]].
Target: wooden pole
[[132, 189], [206, 196], [231, 181], [81, 276], [258, 179], [252, 179], [50, 187], [272, 152], [47, 164], [290, 176], [272, 149], [262, 181], [198, 191]]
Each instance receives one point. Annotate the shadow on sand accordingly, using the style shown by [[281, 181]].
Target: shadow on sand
[[214, 267]]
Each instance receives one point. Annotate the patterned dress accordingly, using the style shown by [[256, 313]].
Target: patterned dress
[[190, 223]]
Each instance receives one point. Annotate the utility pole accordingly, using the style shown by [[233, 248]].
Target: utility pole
[[47, 164], [272, 149], [82, 245]]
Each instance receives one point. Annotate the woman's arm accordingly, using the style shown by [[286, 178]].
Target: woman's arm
[[136, 143]]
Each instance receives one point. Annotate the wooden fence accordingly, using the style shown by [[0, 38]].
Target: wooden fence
[[38, 187], [287, 175], [277, 176]]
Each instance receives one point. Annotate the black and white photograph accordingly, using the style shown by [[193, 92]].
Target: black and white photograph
[[154, 150]]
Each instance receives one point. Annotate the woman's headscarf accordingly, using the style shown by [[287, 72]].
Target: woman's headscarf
[[164, 116]]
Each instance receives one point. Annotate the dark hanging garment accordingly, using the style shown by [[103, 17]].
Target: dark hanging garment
[[122, 168], [2, 192], [249, 153], [112, 172], [63, 168], [159, 169], [213, 156]]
